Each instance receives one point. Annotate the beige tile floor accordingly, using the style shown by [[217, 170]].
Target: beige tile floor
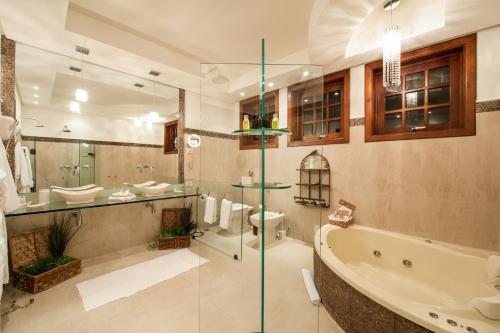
[[221, 296]]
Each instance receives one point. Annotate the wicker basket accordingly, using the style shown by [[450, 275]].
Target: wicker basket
[[171, 218], [176, 242], [26, 248], [341, 223]]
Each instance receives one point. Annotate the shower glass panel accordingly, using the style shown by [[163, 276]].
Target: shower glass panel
[[254, 279]]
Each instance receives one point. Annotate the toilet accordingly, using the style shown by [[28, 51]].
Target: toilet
[[272, 221], [238, 210]]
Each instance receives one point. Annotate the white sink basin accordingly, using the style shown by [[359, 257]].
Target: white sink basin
[[80, 188], [155, 190], [78, 197], [272, 219]]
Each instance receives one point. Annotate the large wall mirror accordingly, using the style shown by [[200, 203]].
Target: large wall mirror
[[85, 124]]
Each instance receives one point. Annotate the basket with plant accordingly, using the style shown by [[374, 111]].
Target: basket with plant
[[37, 256], [179, 234]]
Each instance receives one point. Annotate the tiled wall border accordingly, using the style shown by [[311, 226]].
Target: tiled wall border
[[357, 122], [110, 143], [8, 59], [488, 106], [181, 128], [211, 134]]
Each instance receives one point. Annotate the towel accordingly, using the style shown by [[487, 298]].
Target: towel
[[210, 210], [493, 267], [122, 193], [130, 196], [27, 177], [225, 213]]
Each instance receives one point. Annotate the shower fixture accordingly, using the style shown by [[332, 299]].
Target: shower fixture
[[38, 123], [66, 129]]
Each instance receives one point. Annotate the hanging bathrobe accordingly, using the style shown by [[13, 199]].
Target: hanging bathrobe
[[23, 177], [9, 201]]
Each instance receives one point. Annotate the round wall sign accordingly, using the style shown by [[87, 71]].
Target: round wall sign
[[194, 141]]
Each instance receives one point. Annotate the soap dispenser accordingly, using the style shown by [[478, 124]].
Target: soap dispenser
[[275, 123], [246, 122]]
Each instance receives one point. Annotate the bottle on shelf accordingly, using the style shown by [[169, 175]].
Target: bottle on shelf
[[246, 122], [275, 123]]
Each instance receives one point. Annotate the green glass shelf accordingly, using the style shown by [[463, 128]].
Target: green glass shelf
[[57, 204], [267, 131], [267, 186]]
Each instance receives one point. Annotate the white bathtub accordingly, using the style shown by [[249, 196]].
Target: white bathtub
[[442, 278]]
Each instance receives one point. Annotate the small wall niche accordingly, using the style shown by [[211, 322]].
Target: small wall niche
[[314, 181]]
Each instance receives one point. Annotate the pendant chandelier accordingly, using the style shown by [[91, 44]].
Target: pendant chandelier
[[392, 53]]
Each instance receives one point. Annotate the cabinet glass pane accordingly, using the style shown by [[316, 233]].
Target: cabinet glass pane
[[415, 118], [438, 116], [319, 114], [334, 126], [415, 81], [319, 101], [334, 111], [439, 95], [308, 102], [392, 120], [308, 115], [415, 99], [308, 129], [439, 75], [393, 102]]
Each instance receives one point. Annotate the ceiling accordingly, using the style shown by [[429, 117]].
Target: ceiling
[[174, 37]]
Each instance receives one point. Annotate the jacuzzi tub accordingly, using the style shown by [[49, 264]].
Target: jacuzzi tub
[[432, 290]]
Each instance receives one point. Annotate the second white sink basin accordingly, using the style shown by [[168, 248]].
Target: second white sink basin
[[151, 191]]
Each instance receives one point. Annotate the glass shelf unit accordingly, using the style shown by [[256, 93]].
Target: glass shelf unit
[[267, 131], [57, 203], [267, 186]]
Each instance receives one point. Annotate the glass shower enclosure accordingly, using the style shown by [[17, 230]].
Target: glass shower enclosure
[[243, 121]]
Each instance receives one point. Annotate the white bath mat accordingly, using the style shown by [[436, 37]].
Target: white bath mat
[[130, 280]]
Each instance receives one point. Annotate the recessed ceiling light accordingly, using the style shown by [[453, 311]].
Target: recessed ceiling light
[[81, 95], [74, 107], [391, 4], [35, 95], [242, 93], [153, 116], [336, 93], [179, 116], [398, 116], [305, 73], [36, 87], [35, 102], [306, 100], [270, 84]]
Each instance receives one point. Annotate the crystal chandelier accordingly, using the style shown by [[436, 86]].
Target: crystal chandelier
[[392, 55]]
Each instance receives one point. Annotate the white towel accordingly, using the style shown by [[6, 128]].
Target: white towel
[[130, 196], [210, 210], [122, 193], [225, 213], [493, 267], [27, 179]]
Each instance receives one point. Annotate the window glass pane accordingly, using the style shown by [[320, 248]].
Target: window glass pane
[[414, 81], [319, 101], [308, 115], [319, 114], [334, 126], [334, 111], [415, 99], [439, 116], [439, 75], [320, 128], [392, 120], [393, 102], [439, 95], [415, 118], [308, 128], [334, 96], [308, 102]]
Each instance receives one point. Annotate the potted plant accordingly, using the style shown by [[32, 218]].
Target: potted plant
[[38, 258], [179, 235]]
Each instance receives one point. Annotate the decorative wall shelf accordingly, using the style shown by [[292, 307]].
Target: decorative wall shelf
[[267, 131], [314, 183]]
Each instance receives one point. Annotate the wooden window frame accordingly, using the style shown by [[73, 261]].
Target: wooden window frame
[[333, 81], [462, 120], [167, 137], [271, 141]]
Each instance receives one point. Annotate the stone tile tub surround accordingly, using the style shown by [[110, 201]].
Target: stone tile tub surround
[[366, 293]]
